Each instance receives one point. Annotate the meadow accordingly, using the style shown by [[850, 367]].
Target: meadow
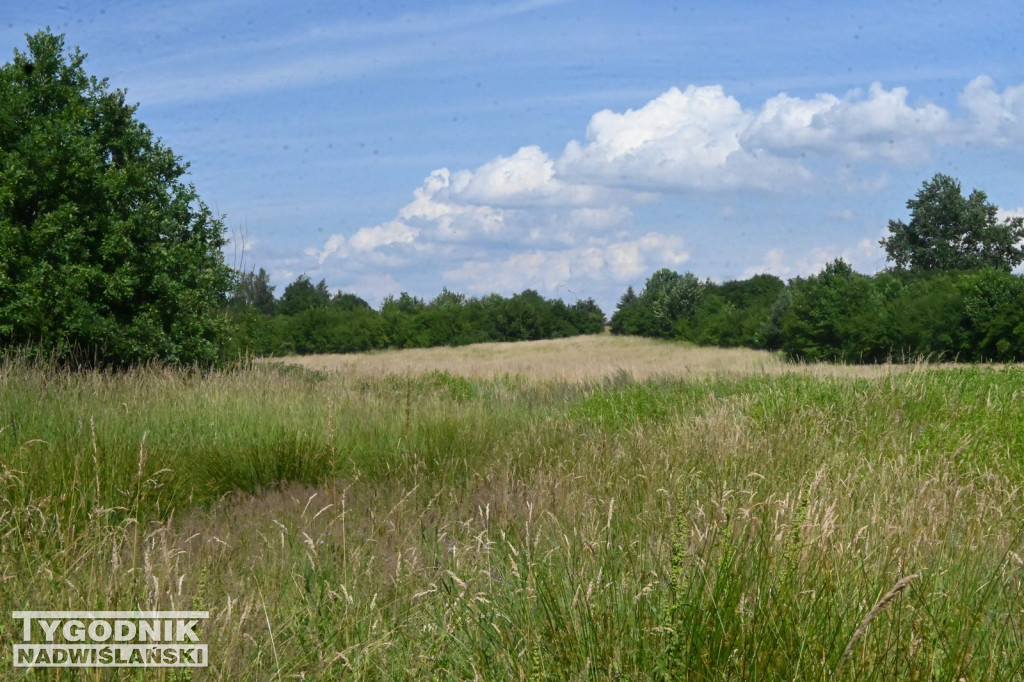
[[596, 508]]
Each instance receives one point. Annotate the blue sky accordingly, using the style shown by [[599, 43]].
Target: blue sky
[[572, 146]]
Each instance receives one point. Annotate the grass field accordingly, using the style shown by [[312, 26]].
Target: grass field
[[581, 359], [521, 512]]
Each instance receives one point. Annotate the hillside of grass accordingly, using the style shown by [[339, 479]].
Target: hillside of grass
[[396, 521]]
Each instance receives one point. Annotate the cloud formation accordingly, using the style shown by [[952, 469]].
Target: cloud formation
[[688, 139], [560, 219], [878, 126], [996, 117], [865, 256], [551, 270]]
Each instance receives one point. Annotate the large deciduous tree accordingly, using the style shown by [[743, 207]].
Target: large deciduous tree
[[106, 255], [948, 231]]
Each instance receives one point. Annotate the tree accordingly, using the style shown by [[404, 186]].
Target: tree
[[769, 333], [106, 256], [826, 319], [950, 232], [302, 295], [587, 317], [626, 298], [349, 302], [254, 289], [667, 298]]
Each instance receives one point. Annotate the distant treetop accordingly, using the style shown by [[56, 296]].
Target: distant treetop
[[948, 231]]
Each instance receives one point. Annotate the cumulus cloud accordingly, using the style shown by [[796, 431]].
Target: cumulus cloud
[[681, 139], [880, 125], [373, 286], [996, 117], [367, 239], [526, 178], [702, 138], [391, 232], [598, 218], [551, 269], [699, 138], [568, 217], [443, 216], [335, 244]]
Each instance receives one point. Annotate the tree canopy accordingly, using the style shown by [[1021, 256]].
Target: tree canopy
[[106, 255], [948, 231]]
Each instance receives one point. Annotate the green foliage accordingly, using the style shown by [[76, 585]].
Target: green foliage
[[253, 333], [733, 313], [667, 297], [586, 317], [950, 232], [769, 332], [310, 320], [636, 318], [921, 316], [993, 310], [330, 330], [824, 319], [672, 296], [344, 301], [253, 290], [303, 295], [900, 316], [840, 315], [106, 256], [950, 295]]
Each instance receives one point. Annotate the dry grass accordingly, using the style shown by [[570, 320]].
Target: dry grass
[[582, 359]]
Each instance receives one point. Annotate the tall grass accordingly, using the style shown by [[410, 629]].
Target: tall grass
[[429, 525]]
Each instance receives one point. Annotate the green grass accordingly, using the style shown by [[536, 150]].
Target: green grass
[[433, 526]]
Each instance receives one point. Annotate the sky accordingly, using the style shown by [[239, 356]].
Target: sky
[[568, 146]]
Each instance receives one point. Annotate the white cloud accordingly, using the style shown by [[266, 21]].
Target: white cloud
[[335, 244], [569, 218], [446, 218], [697, 138], [996, 118], [681, 139], [549, 270], [373, 286], [527, 177], [702, 138], [385, 234], [865, 256], [879, 126], [545, 270], [1002, 215], [367, 240], [599, 218]]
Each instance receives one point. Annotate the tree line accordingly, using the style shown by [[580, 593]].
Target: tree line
[[308, 318], [949, 294], [838, 314]]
